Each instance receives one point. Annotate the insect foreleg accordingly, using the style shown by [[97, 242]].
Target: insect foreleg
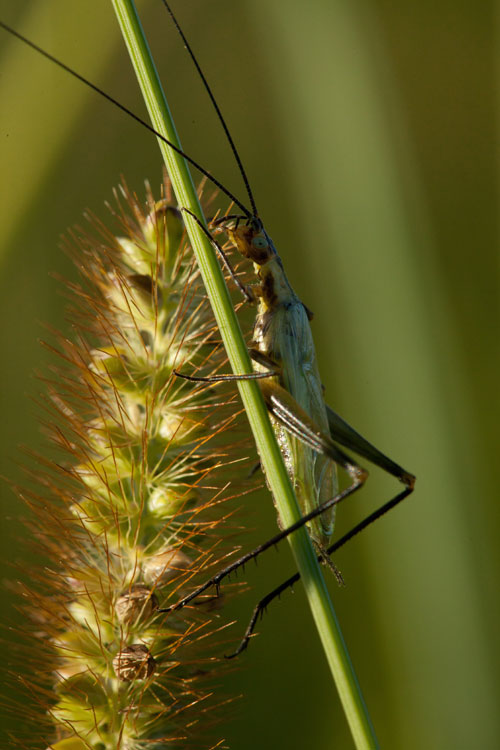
[[229, 217], [246, 291], [290, 582]]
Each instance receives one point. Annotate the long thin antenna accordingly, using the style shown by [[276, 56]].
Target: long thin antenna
[[129, 112], [217, 109]]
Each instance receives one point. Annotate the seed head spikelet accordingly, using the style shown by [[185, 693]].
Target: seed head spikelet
[[133, 510]]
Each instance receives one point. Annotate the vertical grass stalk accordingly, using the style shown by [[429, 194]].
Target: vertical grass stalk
[[320, 603]]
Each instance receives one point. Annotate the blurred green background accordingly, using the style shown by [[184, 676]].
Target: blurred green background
[[369, 133]]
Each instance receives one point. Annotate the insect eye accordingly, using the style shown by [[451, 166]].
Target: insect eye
[[260, 243]]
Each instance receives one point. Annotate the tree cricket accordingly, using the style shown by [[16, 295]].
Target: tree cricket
[[308, 431]]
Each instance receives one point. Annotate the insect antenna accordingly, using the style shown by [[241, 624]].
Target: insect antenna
[[220, 116], [130, 113]]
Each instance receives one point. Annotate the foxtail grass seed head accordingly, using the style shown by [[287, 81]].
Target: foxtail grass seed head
[[133, 512]]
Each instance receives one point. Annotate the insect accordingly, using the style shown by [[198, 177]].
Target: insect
[[306, 428]]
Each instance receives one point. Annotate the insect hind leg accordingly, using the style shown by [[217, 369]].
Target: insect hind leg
[[262, 605], [273, 541]]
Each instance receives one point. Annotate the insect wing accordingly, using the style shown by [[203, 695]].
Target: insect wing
[[286, 335]]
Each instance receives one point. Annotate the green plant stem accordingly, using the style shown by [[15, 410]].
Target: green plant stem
[[276, 474]]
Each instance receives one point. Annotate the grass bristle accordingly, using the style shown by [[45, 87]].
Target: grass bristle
[[133, 511]]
